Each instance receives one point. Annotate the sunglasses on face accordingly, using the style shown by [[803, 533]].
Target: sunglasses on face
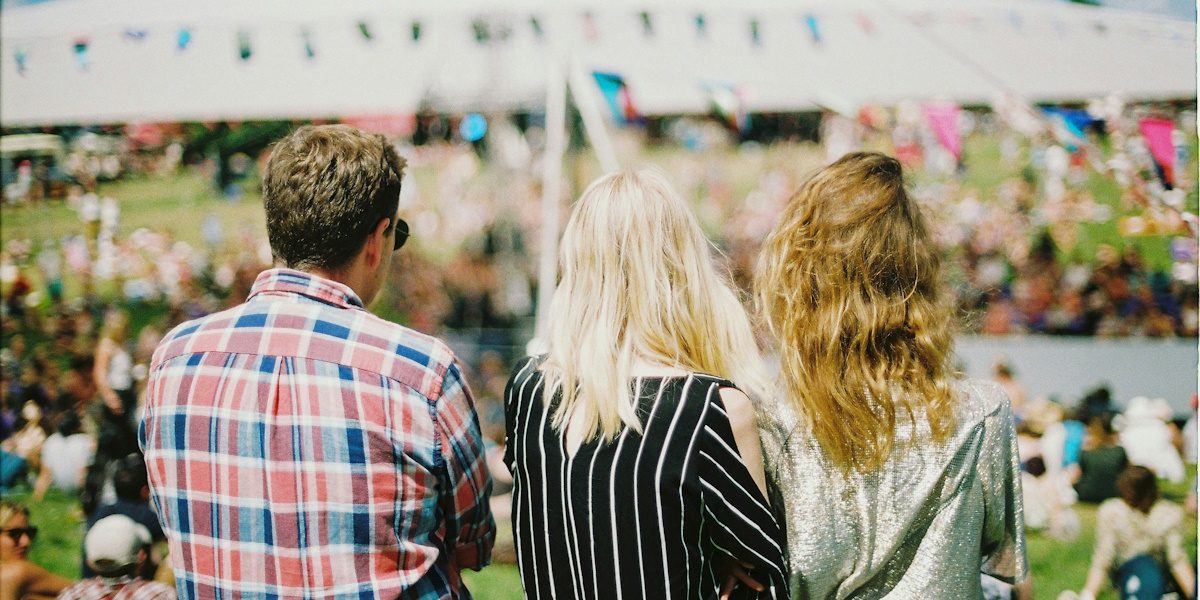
[[401, 225], [401, 234], [16, 533]]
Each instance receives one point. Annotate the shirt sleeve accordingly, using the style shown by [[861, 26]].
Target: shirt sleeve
[[1175, 549], [1004, 510], [470, 528], [738, 519], [511, 402], [1105, 551]]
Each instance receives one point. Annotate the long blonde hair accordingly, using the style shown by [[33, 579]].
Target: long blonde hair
[[638, 279], [849, 283]]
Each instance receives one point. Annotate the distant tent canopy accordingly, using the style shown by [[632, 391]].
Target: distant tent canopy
[[103, 61]]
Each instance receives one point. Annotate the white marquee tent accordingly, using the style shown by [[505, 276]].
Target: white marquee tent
[[88, 61]]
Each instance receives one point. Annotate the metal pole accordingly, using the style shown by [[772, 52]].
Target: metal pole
[[584, 94], [552, 160]]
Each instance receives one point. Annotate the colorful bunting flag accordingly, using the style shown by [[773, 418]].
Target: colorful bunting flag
[[183, 38], [245, 50], [364, 29], [865, 23], [755, 33], [728, 105], [701, 26], [82, 59], [943, 119], [1068, 126], [616, 95], [1157, 133], [310, 52], [21, 56], [814, 28]]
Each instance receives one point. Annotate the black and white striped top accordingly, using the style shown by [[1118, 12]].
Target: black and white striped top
[[643, 515]]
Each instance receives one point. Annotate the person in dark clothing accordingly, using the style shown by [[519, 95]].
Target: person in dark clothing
[[1101, 461], [133, 501]]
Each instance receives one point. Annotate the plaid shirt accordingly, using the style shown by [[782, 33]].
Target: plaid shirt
[[125, 588], [299, 446]]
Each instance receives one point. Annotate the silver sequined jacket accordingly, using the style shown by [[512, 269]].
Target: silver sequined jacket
[[923, 526]]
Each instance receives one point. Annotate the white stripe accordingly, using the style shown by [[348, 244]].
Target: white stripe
[[612, 485], [592, 523], [545, 493], [520, 494], [687, 460], [744, 518], [636, 500], [662, 459]]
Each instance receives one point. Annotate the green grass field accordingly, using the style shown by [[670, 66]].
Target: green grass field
[[1056, 566]]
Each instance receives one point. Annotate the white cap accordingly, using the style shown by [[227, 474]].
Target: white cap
[[113, 543]]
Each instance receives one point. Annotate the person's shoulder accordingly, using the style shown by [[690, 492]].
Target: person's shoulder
[[1111, 510], [151, 590], [176, 341], [1167, 512], [979, 399]]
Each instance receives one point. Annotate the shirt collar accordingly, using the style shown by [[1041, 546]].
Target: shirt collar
[[291, 281]]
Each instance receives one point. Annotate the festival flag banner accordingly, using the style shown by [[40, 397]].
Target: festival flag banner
[[21, 57], [245, 49], [814, 28], [865, 23], [364, 30], [728, 105], [1068, 126], [310, 51], [1157, 133], [616, 95], [183, 38], [943, 119], [82, 58]]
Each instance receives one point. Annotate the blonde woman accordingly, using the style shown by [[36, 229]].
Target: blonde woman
[[897, 478], [113, 376], [636, 462]]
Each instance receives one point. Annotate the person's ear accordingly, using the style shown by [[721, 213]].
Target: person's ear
[[375, 243]]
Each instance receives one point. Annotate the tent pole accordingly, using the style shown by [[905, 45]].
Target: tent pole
[[552, 162], [583, 92]]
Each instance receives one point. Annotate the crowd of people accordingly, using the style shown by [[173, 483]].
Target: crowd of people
[[83, 314]]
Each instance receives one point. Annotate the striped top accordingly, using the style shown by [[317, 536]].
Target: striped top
[[299, 446], [643, 515]]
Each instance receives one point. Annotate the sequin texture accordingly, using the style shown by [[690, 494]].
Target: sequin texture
[[924, 525]]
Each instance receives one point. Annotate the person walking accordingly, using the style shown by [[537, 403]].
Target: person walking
[[299, 446], [898, 479]]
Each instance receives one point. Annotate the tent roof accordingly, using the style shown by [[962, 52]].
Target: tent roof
[[868, 51]]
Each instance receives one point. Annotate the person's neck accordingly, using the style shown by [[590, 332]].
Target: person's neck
[[347, 277]]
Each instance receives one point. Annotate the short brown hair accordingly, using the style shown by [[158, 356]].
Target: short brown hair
[[326, 186], [1138, 487]]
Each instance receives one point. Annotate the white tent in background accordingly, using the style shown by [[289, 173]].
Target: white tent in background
[[371, 57]]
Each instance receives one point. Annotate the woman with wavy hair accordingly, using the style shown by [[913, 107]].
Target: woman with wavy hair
[[897, 478], [636, 461]]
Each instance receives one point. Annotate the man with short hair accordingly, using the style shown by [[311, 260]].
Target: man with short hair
[[299, 446], [117, 548]]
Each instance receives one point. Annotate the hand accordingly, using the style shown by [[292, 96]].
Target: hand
[[113, 402], [736, 571]]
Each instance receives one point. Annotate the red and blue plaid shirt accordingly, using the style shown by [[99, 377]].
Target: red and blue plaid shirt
[[299, 446]]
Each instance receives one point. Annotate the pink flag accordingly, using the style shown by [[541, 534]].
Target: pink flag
[[943, 118], [1158, 137]]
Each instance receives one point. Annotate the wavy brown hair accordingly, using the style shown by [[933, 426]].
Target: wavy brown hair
[[849, 283]]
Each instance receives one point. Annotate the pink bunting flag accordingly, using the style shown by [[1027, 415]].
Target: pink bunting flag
[[943, 119], [1157, 133]]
